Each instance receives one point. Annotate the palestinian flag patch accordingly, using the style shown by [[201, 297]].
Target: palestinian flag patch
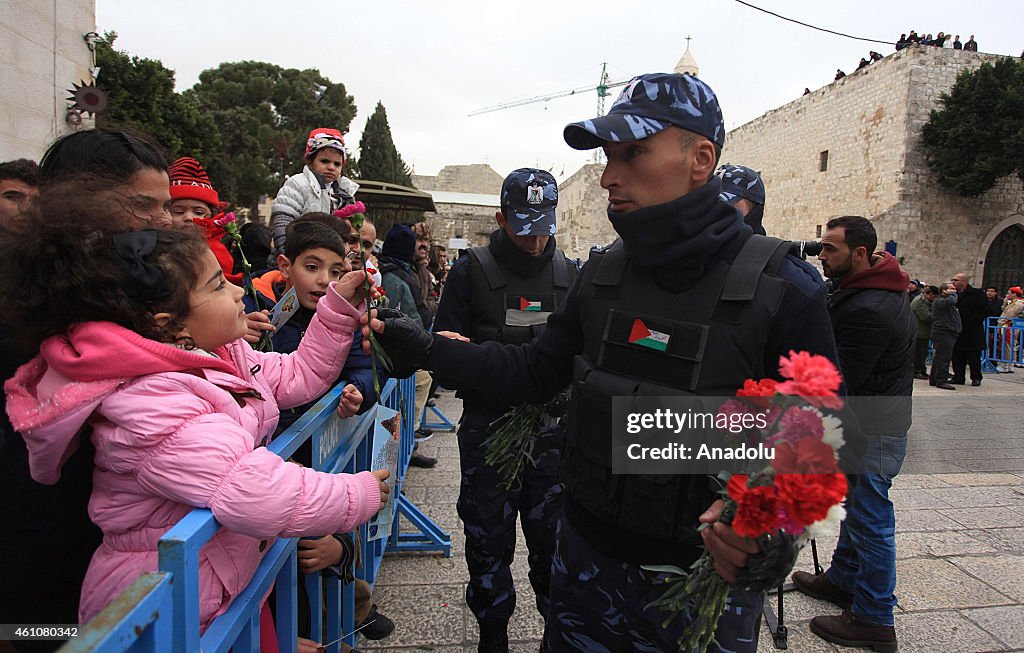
[[527, 305], [643, 336]]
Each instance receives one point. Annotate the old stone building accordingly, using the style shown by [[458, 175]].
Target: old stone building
[[582, 212], [466, 197], [853, 148], [45, 53]]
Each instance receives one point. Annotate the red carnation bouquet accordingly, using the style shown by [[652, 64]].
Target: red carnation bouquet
[[800, 493]]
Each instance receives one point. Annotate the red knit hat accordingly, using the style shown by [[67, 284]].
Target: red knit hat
[[190, 182], [322, 137]]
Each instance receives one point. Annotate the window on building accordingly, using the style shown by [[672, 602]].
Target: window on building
[[823, 161], [817, 231]]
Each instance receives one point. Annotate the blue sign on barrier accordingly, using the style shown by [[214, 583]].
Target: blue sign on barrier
[[160, 611]]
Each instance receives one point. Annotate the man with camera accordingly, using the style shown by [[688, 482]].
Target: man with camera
[[875, 331]]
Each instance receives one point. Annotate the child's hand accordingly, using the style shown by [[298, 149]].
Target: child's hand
[[318, 554], [351, 400], [257, 322], [352, 287], [308, 645], [382, 475]]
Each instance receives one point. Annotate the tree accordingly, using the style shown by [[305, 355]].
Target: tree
[[978, 134], [265, 113], [379, 159], [140, 94]]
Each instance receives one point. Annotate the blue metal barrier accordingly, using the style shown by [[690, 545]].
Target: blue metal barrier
[[160, 612], [1004, 343]]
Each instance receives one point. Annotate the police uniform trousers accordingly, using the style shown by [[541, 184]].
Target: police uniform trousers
[[489, 512], [599, 605]]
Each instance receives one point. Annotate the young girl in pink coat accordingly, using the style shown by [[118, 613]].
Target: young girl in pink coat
[[139, 339]]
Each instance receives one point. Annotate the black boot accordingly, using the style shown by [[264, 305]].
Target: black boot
[[493, 638]]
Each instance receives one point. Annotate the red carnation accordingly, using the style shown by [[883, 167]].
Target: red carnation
[[805, 456], [813, 377], [764, 388], [757, 508], [807, 498]]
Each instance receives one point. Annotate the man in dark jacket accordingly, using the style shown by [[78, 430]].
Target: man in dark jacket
[[946, 327], [679, 244], [504, 293], [875, 331], [974, 309]]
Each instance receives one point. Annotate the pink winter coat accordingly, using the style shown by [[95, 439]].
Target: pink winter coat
[[175, 430]]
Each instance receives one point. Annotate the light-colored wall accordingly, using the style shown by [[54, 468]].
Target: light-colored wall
[[582, 212], [469, 178], [43, 55], [870, 122], [472, 222]]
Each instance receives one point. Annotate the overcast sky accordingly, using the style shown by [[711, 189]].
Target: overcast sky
[[431, 63]]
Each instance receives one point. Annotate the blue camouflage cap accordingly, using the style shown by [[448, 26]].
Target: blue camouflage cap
[[649, 104], [528, 200], [740, 182]]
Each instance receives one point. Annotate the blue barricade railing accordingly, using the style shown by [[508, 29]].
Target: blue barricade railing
[[1004, 343], [160, 611]]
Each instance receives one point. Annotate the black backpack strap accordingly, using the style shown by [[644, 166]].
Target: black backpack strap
[[560, 270], [495, 279], [611, 267], [759, 254]]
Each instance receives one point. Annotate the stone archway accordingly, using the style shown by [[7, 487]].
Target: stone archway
[[1001, 256]]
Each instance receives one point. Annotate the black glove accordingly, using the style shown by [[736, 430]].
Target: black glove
[[406, 342], [769, 567]]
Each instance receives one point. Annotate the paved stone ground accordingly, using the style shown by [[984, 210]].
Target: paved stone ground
[[960, 540]]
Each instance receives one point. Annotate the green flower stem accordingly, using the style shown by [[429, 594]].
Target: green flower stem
[[265, 343], [510, 445]]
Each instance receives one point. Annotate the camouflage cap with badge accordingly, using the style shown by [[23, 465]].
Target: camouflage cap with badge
[[528, 200], [740, 182], [649, 104]]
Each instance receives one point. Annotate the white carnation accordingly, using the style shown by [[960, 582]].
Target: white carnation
[[829, 525]]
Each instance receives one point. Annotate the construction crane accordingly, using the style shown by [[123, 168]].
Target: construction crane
[[602, 92]]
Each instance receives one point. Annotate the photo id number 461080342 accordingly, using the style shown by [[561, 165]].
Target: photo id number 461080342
[[16, 632]]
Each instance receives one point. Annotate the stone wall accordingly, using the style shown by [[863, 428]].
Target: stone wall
[[869, 123], [43, 56], [470, 178], [582, 212], [470, 221]]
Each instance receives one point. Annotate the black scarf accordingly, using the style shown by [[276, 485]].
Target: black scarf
[[516, 259], [678, 240]]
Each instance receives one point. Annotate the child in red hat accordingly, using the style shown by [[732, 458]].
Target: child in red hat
[[194, 200], [320, 187]]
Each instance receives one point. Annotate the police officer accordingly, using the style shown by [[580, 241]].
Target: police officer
[[743, 188], [727, 304], [504, 293]]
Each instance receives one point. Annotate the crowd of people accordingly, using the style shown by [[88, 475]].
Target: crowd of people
[[940, 40], [952, 322], [142, 385]]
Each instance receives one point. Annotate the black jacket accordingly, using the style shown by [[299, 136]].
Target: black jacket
[[974, 309], [875, 331]]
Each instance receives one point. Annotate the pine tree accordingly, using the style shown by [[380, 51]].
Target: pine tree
[[977, 136], [379, 159]]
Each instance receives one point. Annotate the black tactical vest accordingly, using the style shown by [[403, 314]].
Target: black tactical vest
[[510, 308], [704, 341]]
